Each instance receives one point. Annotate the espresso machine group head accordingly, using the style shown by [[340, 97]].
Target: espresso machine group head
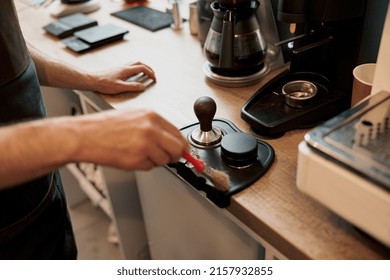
[[321, 42]]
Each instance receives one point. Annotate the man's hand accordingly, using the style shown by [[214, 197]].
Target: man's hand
[[128, 139], [114, 80]]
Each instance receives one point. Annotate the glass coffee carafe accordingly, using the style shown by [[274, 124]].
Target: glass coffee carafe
[[234, 45]]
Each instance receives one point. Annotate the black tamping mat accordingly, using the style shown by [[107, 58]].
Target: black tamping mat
[[145, 17], [240, 176]]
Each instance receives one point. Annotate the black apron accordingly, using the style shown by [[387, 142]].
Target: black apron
[[34, 221]]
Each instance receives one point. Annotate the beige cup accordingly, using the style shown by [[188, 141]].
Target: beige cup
[[363, 76]]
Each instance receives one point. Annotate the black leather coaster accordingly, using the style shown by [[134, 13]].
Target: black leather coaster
[[67, 25], [145, 17], [95, 36]]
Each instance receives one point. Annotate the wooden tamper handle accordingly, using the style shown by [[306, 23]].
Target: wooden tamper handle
[[205, 108]]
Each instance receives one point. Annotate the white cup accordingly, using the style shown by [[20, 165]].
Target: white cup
[[363, 77]]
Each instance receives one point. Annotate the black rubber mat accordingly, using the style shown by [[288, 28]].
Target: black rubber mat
[[145, 17]]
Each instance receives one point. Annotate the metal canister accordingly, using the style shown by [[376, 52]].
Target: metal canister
[[194, 18], [177, 21]]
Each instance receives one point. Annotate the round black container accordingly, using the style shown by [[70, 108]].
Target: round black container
[[239, 149]]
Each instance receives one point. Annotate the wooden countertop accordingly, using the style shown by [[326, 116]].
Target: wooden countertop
[[273, 207]]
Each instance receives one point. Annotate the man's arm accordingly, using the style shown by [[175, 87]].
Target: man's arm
[[32, 149], [126, 139], [56, 73]]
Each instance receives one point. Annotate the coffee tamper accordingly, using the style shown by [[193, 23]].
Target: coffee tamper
[[205, 136]]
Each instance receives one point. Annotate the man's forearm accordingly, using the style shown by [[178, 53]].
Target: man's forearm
[[58, 74], [30, 150], [55, 73], [126, 139]]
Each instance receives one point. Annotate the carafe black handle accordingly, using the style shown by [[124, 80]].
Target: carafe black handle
[[227, 41]]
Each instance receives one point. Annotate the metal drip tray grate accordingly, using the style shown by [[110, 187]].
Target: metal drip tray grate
[[359, 139]]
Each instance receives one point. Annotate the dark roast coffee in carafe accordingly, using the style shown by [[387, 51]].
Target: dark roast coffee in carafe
[[234, 45]]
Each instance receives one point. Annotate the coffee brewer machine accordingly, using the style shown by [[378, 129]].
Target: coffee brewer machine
[[235, 48], [322, 49]]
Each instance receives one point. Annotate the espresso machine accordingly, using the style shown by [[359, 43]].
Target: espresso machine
[[320, 42]]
